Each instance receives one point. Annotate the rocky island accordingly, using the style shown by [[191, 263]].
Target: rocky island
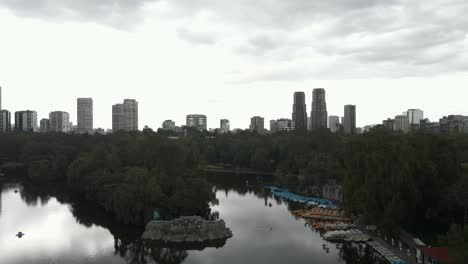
[[188, 231]]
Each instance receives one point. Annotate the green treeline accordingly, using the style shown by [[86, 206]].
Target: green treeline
[[387, 178]]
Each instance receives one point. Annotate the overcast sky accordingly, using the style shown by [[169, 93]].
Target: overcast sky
[[234, 59]]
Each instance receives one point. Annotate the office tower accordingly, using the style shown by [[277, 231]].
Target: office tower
[[257, 124], [334, 124], [0, 97], [130, 115], [169, 125], [401, 124], [26, 121], [197, 121], [389, 124], [5, 121], [319, 109], [299, 116], [415, 116], [453, 124], [85, 115], [349, 122], [44, 125], [273, 126], [309, 123], [224, 125], [117, 117], [59, 122]]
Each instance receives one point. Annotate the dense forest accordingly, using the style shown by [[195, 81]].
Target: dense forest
[[388, 178]]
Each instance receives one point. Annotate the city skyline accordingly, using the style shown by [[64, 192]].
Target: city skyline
[[208, 55]]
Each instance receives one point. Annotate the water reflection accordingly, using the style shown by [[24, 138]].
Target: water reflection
[[61, 228]]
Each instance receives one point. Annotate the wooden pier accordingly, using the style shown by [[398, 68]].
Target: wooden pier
[[384, 252]]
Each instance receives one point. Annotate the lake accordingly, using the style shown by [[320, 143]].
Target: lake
[[61, 228]]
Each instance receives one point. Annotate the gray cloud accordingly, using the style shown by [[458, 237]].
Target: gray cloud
[[196, 37], [376, 38]]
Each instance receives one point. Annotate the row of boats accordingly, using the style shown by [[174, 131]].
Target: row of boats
[[323, 214]]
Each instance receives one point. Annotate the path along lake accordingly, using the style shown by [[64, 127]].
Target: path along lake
[[60, 228]]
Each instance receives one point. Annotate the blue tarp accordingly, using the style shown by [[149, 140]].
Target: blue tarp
[[285, 194]]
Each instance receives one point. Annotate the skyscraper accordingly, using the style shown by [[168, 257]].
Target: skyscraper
[[349, 122], [319, 109], [59, 122], [224, 125], [5, 121], [117, 117], [334, 124], [402, 123], [26, 121], [197, 121], [299, 115], [130, 114], [85, 115], [257, 124]]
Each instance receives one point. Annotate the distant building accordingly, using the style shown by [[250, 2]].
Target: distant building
[[26, 121], [299, 115], [1, 99], [454, 124], [282, 124], [389, 123], [368, 128], [197, 121], [130, 107], [5, 121], [99, 131], [349, 120], [430, 127], [224, 126], [309, 123], [415, 116], [44, 125], [334, 124], [85, 115], [117, 117], [169, 125], [125, 116], [60, 122], [257, 124], [319, 109], [401, 124]]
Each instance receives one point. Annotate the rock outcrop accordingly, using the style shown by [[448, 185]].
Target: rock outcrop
[[187, 230]]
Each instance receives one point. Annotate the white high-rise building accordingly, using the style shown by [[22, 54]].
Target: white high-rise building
[[59, 122], [415, 116], [130, 114], [334, 124], [257, 124], [117, 117], [85, 115], [197, 121]]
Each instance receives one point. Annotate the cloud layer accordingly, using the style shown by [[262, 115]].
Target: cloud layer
[[300, 38]]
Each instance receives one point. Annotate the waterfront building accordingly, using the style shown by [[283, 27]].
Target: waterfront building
[[257, 124], [319, 109], [5, 121], [401, 124], [44, 125], [199, 122], [85, 115], [299, 115], [169, 125], [349, 120], [334, 124], [60, 122], [224, 125], [26, 121]]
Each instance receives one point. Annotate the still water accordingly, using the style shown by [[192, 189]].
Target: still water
[[60, 228]]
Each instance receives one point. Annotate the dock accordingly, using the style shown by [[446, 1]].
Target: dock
[[384, 252]]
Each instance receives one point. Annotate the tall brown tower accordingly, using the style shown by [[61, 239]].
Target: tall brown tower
[[319, 109], [299, 116]]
